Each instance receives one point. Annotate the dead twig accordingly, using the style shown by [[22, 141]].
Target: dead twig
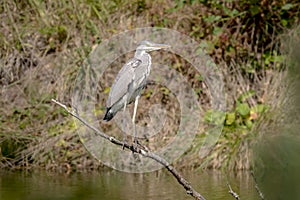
[[234, 194], [261, 195], [140, 149]]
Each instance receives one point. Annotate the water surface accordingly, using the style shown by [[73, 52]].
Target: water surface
[[114, 185]]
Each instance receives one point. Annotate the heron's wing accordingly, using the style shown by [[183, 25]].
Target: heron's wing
[[122, 81]]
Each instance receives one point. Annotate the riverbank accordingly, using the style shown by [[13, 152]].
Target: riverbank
[[43, 46]]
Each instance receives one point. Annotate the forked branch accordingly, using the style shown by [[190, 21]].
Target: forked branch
[[140, 149]]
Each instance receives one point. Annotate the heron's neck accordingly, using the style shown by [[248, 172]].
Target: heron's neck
[[140, 53]]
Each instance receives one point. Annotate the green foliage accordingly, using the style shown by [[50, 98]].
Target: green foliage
[[242, 109], [226, 26], [9, 147], [244, 115], [238, 124], [56, 36], [215, 117]]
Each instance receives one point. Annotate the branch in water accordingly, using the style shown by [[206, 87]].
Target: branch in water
[[261, 195], [234, 194]]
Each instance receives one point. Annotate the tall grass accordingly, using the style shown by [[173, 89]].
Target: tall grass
[[43, 45]]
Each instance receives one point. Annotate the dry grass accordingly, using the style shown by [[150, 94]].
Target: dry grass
[[43, 46]]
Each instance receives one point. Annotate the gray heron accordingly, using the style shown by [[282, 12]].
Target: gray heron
[[130, 81]]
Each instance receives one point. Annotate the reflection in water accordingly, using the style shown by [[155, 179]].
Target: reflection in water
[[114, 185], [277, 164]]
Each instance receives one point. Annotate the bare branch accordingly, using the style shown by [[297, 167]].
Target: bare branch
[[261, 195], [140, 149], [234, 194]]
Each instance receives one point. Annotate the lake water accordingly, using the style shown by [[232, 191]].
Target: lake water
[[115, 185]]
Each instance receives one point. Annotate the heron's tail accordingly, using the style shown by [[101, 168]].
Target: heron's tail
[[108, 114]]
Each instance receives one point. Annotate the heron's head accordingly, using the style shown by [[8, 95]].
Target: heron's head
[[151, 46]]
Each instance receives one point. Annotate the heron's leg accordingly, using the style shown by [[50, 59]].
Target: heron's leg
[[124, 124], [133, 118]]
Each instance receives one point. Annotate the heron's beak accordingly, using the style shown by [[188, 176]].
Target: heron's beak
[[158, 46], [163, 46]]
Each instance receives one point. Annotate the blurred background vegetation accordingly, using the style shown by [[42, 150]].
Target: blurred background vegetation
[[44, 43]]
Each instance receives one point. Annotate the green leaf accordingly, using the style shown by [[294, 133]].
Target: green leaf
[[106, 90], [214, 117], [243, 109], [284, 22], [217, 30], [259, 108], [199, 77], [249, 124], [212, 18], [246, 95], [254, 10], [287, 6], [165, 90], [230, 12], [230, 118]]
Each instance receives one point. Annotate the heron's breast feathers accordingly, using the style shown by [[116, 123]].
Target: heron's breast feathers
[[134, 63]]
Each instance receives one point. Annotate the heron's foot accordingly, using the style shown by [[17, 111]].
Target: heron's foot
[[136, 142], [137, 145]]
